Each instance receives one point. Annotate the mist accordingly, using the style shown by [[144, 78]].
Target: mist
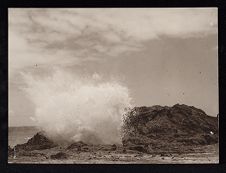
[[71, 107]]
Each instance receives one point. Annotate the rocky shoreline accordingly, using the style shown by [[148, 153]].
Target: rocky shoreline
[[149, 133]]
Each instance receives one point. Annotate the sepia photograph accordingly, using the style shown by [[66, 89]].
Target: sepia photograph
[[113, 86]]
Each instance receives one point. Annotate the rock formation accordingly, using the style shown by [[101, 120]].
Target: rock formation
[[148, 129], [37, 142]]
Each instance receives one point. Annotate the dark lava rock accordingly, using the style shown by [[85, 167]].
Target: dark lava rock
[[30, 154], [60, 155], [37, 142], [140, 148], [124, 150], [113, 147], [10, 151], [159, 127], [78, 146]]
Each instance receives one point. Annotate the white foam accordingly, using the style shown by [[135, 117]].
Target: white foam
[[69, 106]]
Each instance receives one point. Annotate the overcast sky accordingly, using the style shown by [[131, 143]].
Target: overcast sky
[[164, 56]]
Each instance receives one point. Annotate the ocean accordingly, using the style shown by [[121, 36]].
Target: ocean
[[20, 135]]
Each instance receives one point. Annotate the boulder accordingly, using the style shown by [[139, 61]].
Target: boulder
[[113, 147], [163, 127], [38, 142]]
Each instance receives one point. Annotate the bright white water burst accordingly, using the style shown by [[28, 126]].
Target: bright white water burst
[[71, 108]]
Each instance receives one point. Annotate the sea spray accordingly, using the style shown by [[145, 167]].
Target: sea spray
[[73, 108]]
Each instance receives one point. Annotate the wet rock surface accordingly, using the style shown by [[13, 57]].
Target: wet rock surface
[[201, 154], [37, 142]]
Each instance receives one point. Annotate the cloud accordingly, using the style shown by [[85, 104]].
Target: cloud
[[64, 36]]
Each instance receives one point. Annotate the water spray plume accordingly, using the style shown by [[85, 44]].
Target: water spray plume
[[74, 108]]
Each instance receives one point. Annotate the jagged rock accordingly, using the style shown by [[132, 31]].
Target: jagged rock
[[10, 151], [168, 127], [140, 148], [77, 145], [113, 147], [37, 142], [60, 155]]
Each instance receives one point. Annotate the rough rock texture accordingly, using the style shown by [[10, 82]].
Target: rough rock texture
[[148, 129], [60, 155], [113, 147], [10, 151], [77, 145], [37, 142]]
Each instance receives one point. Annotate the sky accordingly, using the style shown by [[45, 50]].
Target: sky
[[164, 56]]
